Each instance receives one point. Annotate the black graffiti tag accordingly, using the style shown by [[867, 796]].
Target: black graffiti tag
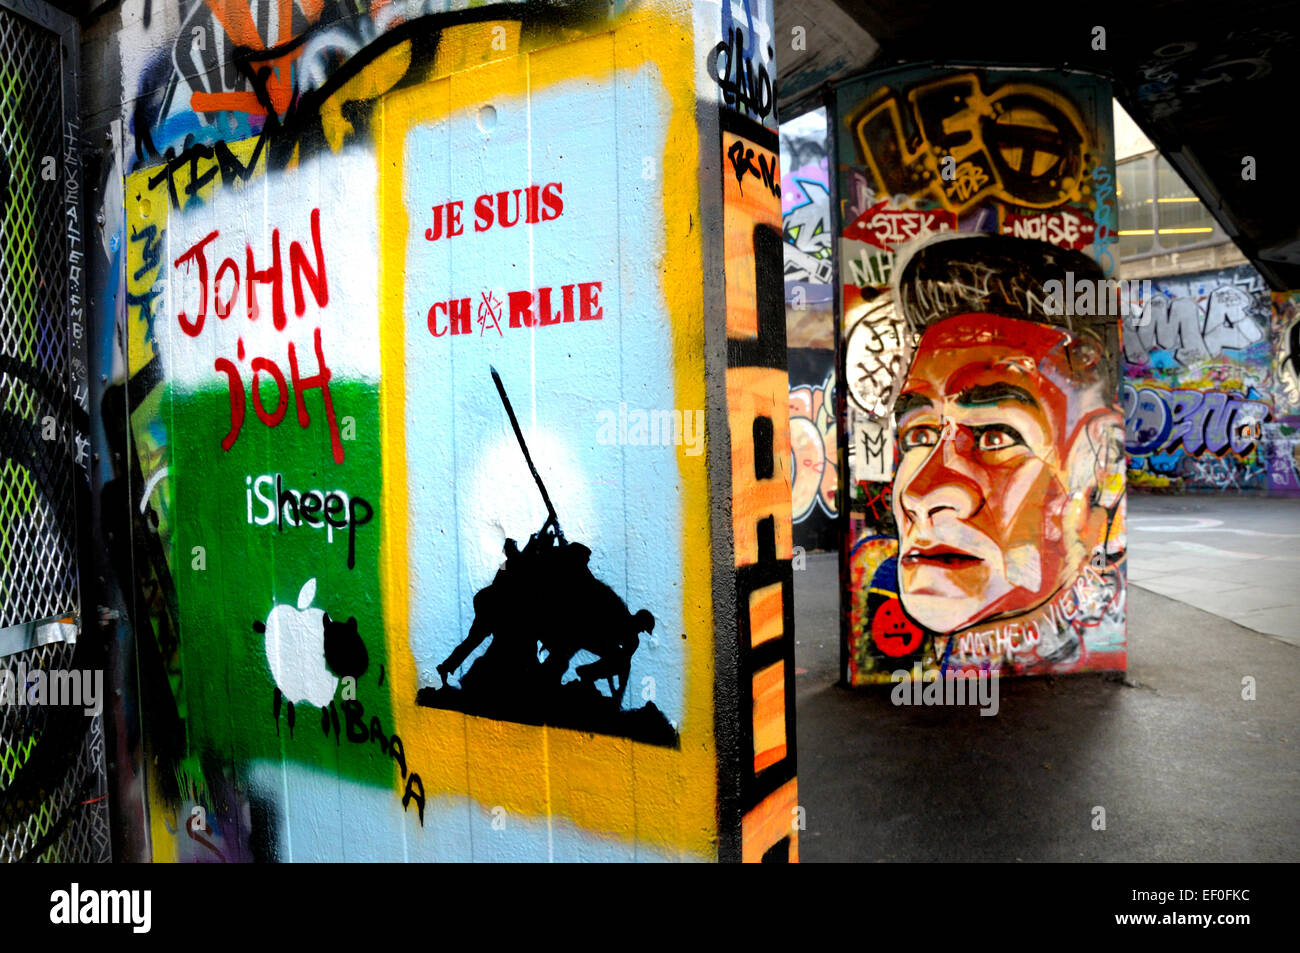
[[742, 162], [741, 86]]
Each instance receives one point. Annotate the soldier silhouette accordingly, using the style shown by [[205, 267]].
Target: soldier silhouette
[[544, 598], [506, 609], [498, 613], [600, 623]]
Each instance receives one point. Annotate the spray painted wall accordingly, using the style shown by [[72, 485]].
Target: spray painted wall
[[1198, 383], [1282, 435], [369, 256], [808, 234], [757, 390], [985, 430]]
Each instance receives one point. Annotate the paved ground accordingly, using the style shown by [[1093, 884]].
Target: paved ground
[[1237, 557], [1185, 768]]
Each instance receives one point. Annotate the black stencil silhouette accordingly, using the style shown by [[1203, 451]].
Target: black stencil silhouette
[[543, 607], [345, 653]]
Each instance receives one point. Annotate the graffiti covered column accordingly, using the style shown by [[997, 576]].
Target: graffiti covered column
[[439, 377], [545, 445], [809, 244], [986, 459], [756, 721]]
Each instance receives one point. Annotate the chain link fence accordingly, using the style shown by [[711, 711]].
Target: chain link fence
[[53, 803]]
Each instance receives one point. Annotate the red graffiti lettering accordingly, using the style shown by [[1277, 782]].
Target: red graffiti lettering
[[320, 379], [506, 209], [195, 252], [304, 270], [526, 309], [260, 365]]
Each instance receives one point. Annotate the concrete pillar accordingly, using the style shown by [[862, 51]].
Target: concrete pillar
[[980, 333], [455, 353]]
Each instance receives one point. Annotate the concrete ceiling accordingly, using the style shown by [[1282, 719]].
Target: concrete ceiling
[[1211, 85]]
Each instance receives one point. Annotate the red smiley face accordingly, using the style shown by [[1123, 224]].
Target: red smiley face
[[893, 632]]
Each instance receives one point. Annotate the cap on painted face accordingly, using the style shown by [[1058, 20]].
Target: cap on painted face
[[974, 328]]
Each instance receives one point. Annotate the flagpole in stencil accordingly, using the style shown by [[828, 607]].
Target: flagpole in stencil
[[519, 435]]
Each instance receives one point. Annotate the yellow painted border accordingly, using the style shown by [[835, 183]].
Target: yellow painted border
[[665, 799]]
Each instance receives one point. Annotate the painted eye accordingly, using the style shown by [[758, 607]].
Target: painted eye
[[919, 436], [998, 438]]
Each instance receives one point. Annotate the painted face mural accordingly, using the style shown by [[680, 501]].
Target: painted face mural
[[1009, 448], [984, 495]]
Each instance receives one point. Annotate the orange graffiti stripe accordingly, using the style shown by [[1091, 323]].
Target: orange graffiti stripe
[[759, 392], [771, 819], [769, 716], [745, 204], [236, 19], [765, 616], [243, 101]]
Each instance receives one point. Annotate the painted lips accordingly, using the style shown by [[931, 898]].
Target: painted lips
[[943, 557]]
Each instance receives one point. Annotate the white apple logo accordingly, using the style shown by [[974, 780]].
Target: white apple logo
[[295, 650]]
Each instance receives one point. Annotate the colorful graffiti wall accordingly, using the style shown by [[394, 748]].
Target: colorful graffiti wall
[[813, 448], [1198, 384], [807, 232], [1282, 435], [986, 453], [414, 379]]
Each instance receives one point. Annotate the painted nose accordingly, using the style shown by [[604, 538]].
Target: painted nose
[[945, 481]]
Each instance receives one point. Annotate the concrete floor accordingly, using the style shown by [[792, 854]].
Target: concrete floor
[[1237, 557], [1184, 767]]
